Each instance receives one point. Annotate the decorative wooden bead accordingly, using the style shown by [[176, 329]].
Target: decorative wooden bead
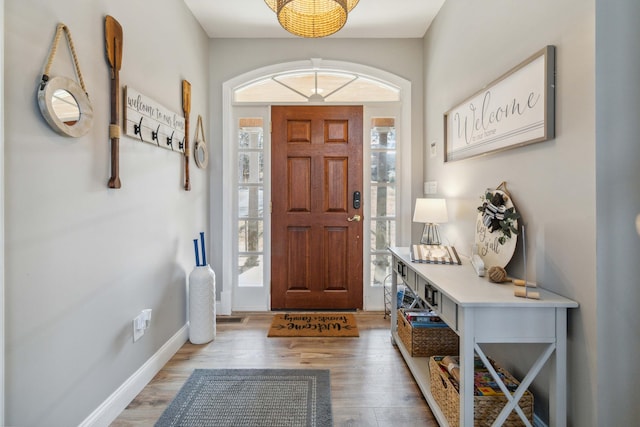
[[497, 274]]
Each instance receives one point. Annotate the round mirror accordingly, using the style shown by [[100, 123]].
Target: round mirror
[[201, 154], [65, 107]]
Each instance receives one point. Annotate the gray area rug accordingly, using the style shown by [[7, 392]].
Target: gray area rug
[[252, 397]]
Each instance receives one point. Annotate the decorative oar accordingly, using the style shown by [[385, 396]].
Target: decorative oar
[[113, 39], [186, 106]]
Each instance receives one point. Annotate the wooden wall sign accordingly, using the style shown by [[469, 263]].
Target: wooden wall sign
[[516, 109], [150, 122]]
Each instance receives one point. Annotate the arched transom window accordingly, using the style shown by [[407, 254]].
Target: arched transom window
[[316, 86]]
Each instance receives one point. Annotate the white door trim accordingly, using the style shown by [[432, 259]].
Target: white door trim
[[228, 179], [2, 306]]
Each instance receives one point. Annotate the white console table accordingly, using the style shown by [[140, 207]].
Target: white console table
[[483, 312]]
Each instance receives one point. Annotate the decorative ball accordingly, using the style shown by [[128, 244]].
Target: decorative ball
[[497, 274]]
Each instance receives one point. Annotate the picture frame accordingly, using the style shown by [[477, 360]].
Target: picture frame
[[514, 110]]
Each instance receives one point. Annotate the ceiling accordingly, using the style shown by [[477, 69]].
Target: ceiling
[[369, 19]]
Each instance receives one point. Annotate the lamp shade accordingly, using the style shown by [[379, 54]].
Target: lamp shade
[[430, 211], [274, 6], [312, 18]]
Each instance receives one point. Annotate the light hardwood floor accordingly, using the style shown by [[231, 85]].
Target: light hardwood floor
[[370, 383]]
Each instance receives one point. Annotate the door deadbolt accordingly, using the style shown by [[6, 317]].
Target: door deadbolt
[[357, 200]]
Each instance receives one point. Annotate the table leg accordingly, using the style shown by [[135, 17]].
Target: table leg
[[467, 341], [558, 392]]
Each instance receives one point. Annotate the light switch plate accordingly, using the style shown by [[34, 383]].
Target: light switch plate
[[431, 187], [432, 148], [138, 327]]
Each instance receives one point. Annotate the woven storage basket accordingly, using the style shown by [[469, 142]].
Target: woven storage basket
[[425, 342], [485, 408]]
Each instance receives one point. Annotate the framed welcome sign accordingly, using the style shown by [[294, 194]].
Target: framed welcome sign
[[516, 109]]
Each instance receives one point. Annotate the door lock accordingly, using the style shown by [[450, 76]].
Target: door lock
[[355, 218], [357, 199]]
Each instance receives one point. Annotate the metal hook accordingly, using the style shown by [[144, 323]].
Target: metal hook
[[43, 83], [137, 129], [181, 144], [154, 135], [170, 139]]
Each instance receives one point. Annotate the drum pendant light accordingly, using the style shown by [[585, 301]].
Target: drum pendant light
[[312, 18]]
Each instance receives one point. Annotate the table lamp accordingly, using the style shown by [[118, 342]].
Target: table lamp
[[431, 212]]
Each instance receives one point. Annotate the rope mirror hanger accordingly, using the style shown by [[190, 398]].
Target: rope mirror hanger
[[64, 103]]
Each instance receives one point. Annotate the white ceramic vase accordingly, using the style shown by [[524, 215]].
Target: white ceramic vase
[[202, 305]]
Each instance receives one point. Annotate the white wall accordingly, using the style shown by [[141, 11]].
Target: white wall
[[2, 311], [232, 57], [81, 259], [552, 183], [618, 203]]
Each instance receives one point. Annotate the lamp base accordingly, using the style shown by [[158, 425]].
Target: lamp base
[[431, 235]]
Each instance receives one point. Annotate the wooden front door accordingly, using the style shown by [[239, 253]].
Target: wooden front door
[[316, 232]]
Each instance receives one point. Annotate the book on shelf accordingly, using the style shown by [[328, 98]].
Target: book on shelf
[[435, 254], [424, 319], [421, 325], [421, 315]]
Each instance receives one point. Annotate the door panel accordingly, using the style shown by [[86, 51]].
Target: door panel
[[299, 184], [298, 273], [335, 184], [335, 268], [316, 240]]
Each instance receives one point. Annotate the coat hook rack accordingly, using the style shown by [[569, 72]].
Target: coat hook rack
[[147, 120]]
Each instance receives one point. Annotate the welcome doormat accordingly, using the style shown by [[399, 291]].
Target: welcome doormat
[[314, 325], [252, 397]]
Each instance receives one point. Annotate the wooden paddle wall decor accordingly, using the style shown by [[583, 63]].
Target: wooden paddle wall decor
[[186, 107], [144, 118], [113, 44]]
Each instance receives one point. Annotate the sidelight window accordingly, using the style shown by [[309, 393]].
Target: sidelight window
[[250, 181], [383, 196]]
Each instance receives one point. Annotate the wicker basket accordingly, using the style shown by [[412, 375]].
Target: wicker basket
[[485, 408], [425, 342]]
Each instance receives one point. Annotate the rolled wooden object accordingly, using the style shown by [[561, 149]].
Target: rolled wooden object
[[452, 366], [499, 275], [523, 293]]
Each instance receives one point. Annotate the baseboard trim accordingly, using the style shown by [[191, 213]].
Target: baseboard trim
[[118, 401], [223, 307]]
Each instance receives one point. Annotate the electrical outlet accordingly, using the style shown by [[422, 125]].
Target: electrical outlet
[[138, 327]]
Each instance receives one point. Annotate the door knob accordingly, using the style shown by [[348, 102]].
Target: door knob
[[355, 218]]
